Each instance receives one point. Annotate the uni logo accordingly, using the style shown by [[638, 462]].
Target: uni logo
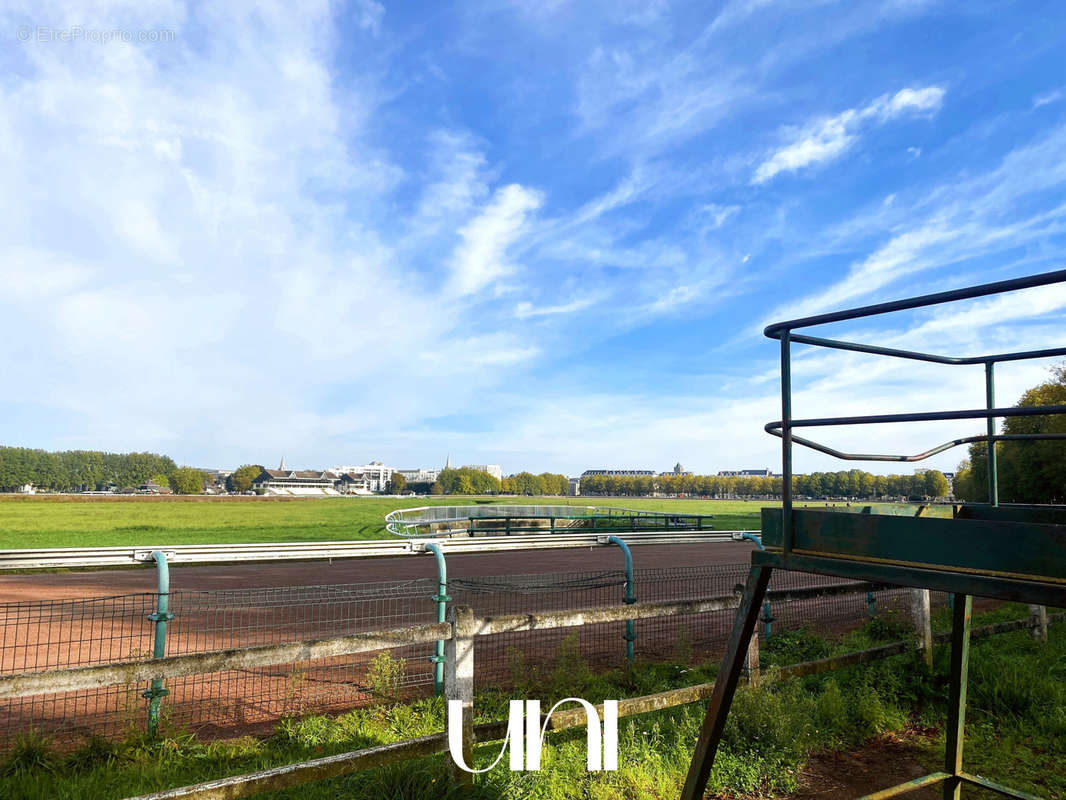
[[523, 723]]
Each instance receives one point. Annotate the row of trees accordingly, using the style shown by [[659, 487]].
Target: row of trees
[[1028, 471], [529, 484], [851, 483], [78, 470], [472, 481]]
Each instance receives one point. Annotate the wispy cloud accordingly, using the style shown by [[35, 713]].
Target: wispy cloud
[[481, 256], [826, 139], [526, 310], [1049, 97]]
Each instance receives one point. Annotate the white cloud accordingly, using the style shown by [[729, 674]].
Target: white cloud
[[910, 101], [368, 15], [1049, 97], [525, 310], [823, 141], [826, 139], [481, 256]]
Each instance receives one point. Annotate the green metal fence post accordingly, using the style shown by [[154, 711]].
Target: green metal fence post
[[871, 605], [162, 615], [990, 402], [441, 598], [630, 598]]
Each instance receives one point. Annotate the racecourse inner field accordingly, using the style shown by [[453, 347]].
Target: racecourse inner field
[[92, 521]]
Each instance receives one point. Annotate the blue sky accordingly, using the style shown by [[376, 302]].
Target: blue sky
[[545, 235]]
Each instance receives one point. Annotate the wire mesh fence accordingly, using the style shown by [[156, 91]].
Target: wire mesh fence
[[42, 635]]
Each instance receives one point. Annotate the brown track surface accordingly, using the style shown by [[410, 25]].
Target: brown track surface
[[102, 583]]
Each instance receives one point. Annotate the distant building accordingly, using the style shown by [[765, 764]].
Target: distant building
[[575, 486], [420, 475], [745, 473], [351, 483], [495, 470], [376, 474], [295, 482], [678, 470], [619, 473]]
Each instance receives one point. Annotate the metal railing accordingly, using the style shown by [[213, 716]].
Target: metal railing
[[428, 521], [38, 636], [60, 557], [783, 428]]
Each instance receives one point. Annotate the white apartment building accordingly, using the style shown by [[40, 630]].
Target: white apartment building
[[420, 475], [376, 474], [495, 470]]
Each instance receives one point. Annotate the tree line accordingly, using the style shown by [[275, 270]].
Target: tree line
[[473, 481], [1027, 471], [78, 470], [852, 483]]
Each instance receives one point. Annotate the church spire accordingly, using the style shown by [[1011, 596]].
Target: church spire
[[448, 462], [282, 467]]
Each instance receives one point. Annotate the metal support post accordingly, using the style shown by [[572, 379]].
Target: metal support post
[[871, 605], [441, 598], [459, 685], [725, 684], [990, 402], [162, 615], [630, 598], [786, 441], [960, 663]]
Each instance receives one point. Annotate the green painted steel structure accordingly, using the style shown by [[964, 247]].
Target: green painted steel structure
[[441, 599], [1004, 552], [630, 597], [162, 615], [495, 520]]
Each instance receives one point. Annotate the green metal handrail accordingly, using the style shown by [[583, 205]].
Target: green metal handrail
[[783, 428]]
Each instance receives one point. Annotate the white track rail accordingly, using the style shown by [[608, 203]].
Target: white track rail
[[76, 557]]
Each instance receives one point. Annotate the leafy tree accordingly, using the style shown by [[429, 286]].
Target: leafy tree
[[77, 470], [397, 483], [1035, 471], [186, 480], [436, 488], [240, 480], [1028, 471], [160, 479], [936, 485]]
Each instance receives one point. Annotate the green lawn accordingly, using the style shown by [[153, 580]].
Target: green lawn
[[33, 522]]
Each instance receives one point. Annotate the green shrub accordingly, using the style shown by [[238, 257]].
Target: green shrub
[[570, 667], [386, 676], [30, 752]]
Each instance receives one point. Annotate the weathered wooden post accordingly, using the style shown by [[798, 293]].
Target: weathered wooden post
[[1038, 622], [923, 628], [459, 683], [751, 660]]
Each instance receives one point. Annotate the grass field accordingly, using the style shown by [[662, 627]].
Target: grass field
[[71, 521]]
